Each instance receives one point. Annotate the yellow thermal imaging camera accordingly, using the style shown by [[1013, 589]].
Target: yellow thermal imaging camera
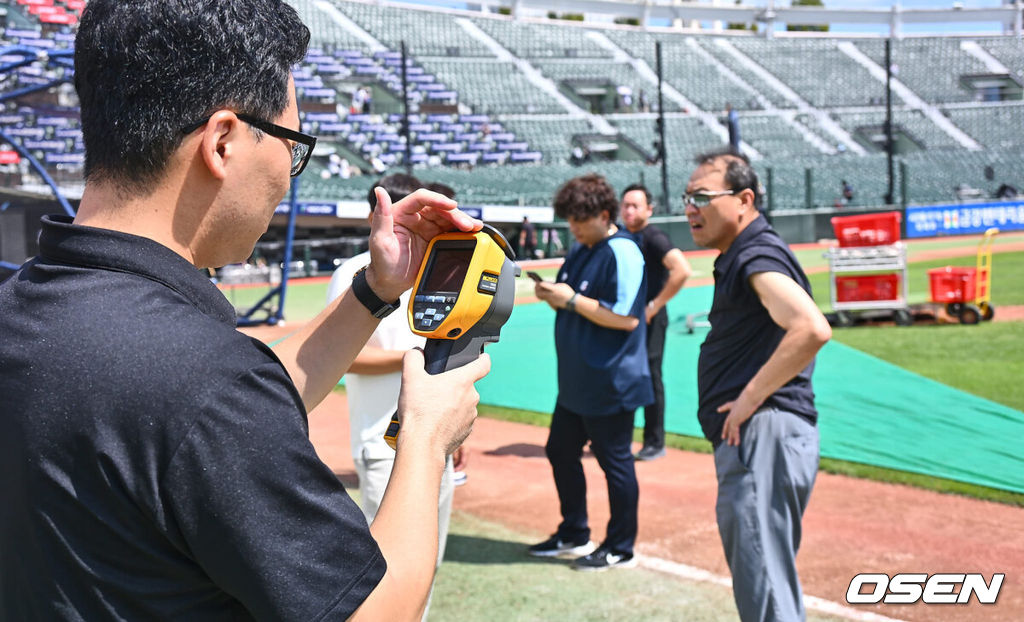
[[464, 294]]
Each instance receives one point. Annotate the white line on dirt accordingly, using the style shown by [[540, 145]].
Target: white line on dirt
[[691, 573]]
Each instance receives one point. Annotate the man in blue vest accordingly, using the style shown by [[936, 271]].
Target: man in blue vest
[[603, 377]]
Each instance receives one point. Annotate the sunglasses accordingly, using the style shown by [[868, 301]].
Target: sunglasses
[[302, 144], [702, 198]]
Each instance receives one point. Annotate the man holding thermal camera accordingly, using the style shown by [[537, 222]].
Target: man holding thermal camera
[[156, 462], [602, 373]]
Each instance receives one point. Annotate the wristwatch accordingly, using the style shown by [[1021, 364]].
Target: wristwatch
[[377, 307], [570, 305]]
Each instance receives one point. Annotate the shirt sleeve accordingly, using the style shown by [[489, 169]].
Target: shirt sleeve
[[661, 244], [629, 274], [763, 260], [264, 517]]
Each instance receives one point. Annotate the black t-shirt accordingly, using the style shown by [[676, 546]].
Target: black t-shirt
[[743, 335], [654, 244], [156, 462]]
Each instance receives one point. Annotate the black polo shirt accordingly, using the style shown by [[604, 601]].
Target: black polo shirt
[[743, 335], [654, 244], [156, 462]]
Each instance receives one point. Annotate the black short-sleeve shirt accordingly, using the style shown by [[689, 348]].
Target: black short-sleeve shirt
[[654, 244], [156, 462], [743, 335]]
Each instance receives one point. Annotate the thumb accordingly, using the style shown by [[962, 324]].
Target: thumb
[[478, 368], [413, 362], [383, 219]]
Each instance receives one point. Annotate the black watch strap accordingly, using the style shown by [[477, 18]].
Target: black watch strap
[[378, 308]]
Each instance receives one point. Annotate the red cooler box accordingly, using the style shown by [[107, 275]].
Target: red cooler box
[[867, 229], [952, 284], [868, 288]]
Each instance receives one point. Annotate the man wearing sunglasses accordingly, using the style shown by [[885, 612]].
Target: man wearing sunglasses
[[156, 461], [754, 382]]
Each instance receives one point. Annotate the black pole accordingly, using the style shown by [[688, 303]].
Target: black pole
[[405, 115], [662, 146], [889, 197]]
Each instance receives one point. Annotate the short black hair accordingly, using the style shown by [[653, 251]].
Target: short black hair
[[585, 197], [641, 188], [739, 174], [145, 69], [440, 188], [397, 185]]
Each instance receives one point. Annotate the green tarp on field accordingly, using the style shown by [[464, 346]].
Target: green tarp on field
[[871, 412]]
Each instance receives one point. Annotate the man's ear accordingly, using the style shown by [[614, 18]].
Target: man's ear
[[746, 197], [220, 142]]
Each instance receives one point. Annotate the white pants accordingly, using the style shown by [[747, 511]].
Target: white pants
[[373, 480]]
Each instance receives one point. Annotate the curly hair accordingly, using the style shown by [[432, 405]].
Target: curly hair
[[585, 197]]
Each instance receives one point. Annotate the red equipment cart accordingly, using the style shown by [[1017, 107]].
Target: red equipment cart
[[967, 292], [868, 270]]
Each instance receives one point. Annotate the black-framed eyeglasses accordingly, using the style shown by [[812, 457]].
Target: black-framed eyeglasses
[[302, 144], [703, 198]]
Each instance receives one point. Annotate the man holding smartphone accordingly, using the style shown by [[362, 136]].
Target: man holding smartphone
[[599, 298]]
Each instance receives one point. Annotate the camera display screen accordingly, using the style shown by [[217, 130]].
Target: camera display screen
[[447, 270]]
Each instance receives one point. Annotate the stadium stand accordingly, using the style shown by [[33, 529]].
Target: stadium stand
[[816, 69], [541, 40], [916, 61], [485, 120]]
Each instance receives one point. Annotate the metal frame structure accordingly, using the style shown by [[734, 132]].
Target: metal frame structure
[[58, 58]]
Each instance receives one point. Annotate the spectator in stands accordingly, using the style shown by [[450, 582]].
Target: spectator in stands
[[367, 100], [374, 380], [667, 270], [156, 461], [1006, 191], [625, 98], [644, 101], [732, 122], [527, 239], [602, 373], [754, 384], [358, 101], [847, 191]]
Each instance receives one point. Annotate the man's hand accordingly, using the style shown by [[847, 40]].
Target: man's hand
[[739, 411], [400, 233], [650, 311], [555, 294], [439, 408]]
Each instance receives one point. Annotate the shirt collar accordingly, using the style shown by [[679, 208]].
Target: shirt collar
[[756, 227], [62, 241]]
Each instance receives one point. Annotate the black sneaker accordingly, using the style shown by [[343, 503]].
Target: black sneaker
[[556, 547], [603, 559], [649, 453]]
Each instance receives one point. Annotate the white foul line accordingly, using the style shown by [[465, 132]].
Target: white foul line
[[811, 602]]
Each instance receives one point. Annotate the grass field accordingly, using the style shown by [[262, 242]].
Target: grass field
[[482, 555]]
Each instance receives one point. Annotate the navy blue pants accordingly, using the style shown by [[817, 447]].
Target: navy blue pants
[[654, 414], [610, 439]]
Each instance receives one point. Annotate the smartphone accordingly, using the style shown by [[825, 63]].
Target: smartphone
[[536, 277]]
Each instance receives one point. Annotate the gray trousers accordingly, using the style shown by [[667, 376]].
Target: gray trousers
[[763, 488]]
